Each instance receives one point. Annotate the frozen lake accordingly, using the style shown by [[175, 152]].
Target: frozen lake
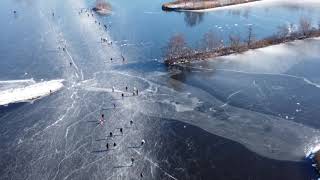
[[247, 116]]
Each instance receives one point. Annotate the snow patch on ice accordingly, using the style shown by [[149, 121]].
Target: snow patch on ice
[[29, 92]]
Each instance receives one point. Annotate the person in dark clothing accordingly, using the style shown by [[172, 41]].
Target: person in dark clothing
[[114, 144], [131, 122], [122, 95], [137, 92], [126, 88], [122, 57], [114, 105], [141, 175], [132, 161], [70, 63], [102, 116], [107, 146], [121, 131], [53, 14], [110, 134]]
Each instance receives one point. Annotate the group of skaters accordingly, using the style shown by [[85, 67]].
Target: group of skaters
[[111, 135], [135, 91], [121, 130]]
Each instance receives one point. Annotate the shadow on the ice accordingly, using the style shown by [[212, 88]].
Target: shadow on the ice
[[101, 151], [123, 166], [93, 121]]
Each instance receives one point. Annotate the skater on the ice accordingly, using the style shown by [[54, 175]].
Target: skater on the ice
[[122, 57], [126, 88], [114, 144], [122, 95], [112, 88], [110, 134], [114, 105], [131, 122], [53, 14], [141, 175], [137, 92], [107, 146], [142, 142], [110, 59], [70, 63], [132, 161], [121, 131]]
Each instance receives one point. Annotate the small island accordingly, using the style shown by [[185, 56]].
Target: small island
[[180, 5], [212, 45], [102, 7]]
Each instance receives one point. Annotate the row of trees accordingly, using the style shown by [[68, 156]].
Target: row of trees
[[212, 44]]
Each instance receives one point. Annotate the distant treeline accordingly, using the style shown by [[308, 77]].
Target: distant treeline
[[177, 51]]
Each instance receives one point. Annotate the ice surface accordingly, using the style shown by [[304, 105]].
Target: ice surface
[[29, 92]]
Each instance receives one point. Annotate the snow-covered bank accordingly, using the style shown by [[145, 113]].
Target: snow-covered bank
[[272, 59], [263, 3], [29, 92]]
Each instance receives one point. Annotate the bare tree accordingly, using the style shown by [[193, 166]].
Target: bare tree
[[283, 31], [176, 47], [305, 26], [235, 42], [250, 37], [210, 41]]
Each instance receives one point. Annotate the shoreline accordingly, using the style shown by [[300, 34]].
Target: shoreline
[[198, 55], [200, 5]]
